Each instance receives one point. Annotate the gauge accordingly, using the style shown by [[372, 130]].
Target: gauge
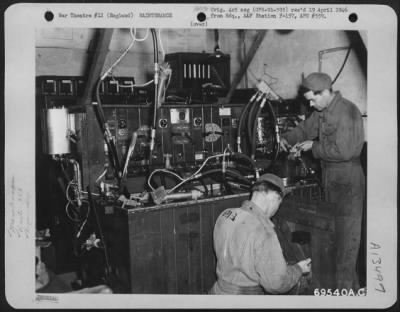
[[163, 123]]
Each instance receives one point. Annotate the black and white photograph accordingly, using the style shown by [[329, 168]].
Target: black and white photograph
[[207, 156]]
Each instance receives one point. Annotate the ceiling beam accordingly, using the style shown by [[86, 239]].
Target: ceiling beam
[[101, 42], [246, 62]]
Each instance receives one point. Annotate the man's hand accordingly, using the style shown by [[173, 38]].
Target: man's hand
[[306, 145], [305, 265], [284, 144]]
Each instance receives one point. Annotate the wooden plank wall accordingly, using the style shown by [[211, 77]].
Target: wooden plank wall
[[171, 250]]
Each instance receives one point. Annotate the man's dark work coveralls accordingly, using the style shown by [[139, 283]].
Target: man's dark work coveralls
[[340, 133]]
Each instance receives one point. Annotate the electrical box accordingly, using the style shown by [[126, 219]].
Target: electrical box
[[186, 134], [199, 76]]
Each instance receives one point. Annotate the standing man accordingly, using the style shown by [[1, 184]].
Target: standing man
[[334, 133], [249, 256]]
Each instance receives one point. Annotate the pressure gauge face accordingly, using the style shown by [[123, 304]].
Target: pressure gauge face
[[213, 132]]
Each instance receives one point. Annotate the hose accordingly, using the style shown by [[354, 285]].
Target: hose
[[253, 143], [228, 172], [113, 155], [241, 120], [156, 74], [253, 132], [92, 206], [173, 174], [246, 157], [205, 187], [250, 122], [277, 139], [228, 177]]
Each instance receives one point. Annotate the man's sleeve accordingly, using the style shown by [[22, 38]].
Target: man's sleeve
[[346, 142], [275, 275], [305, 130]]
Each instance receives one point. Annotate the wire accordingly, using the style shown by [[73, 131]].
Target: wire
[[194, 174], [132, 85], [93, 194], [112, 151], [133, 35], [341, 68], [252, 121], [243, 115], [110, 69], [91, 203], [67, 190], [253, 132], [276, 132], [101, 175], [161, 170], [161, 44], [136, 85], [205, 187], [67, 212], [84, 222], [156, 82], [230, 172]]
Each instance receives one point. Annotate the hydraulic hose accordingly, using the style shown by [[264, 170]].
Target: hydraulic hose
[[227, 179], [250, 121], [93, 208], [277, 137], [163, 175], [227, 172], [241, 120], [113, 155], [253, 131], [246, 157], [156, 74]]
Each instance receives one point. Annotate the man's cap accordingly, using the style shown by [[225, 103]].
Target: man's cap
[[274, 180], [317, 82]]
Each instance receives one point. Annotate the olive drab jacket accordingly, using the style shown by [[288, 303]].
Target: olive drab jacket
[[340, 133], [249, 254], [339, 129]]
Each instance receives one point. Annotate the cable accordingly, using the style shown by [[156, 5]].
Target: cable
[[241, 119], [67, 212], [276, 130], [341, 68], [193, 176], [244, 156], [229, 172], [161, 44], [253, 132], [252, 121], [156, 77], [110, 69], [67, 190], [277, 139], [113, 155], [133, 35], [91, 203], [83, 223], [101, 175], [161, 170], [135, 85], [205, 187]]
